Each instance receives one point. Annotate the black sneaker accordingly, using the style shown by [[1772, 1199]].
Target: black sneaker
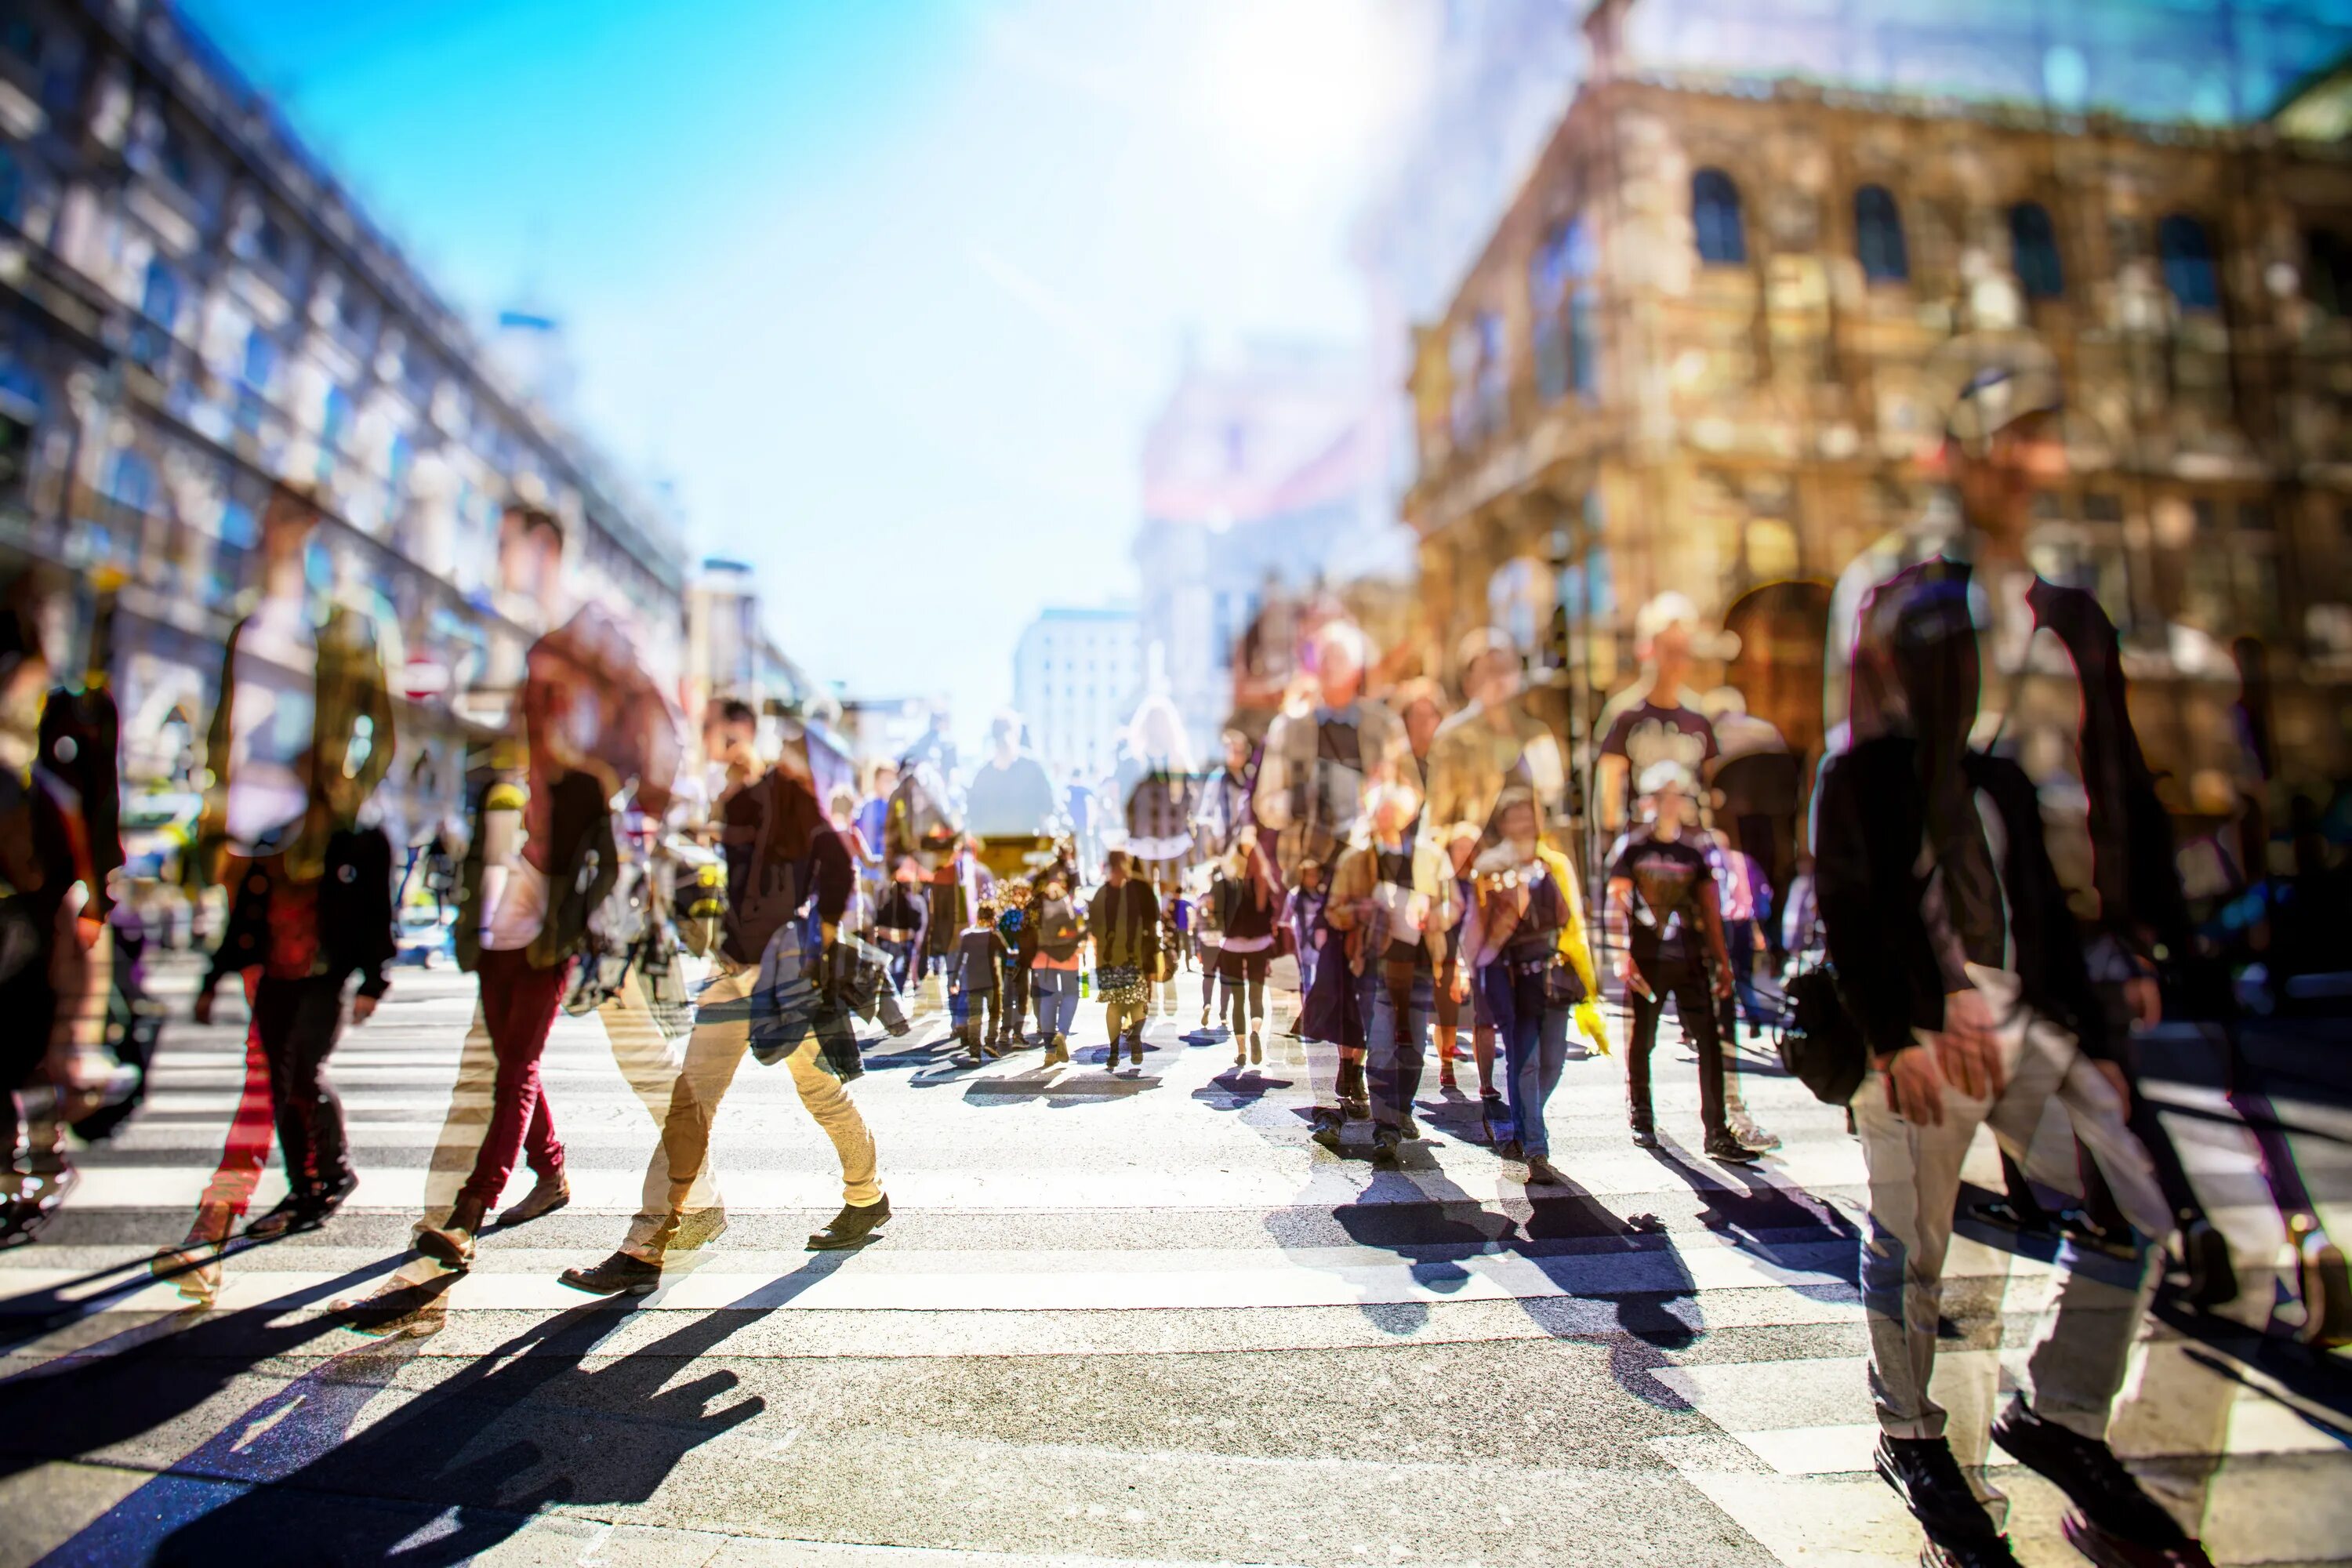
[[2087, 1471], [619, 1275], [1929, 1479], [1644, 1135], [851, 1227], [1724, 1149], [1384, 1146]]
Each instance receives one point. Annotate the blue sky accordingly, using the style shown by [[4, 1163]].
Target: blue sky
[[889, 291]]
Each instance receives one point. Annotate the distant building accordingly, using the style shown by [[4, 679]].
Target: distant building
[[1697, 350], [1076, 677], [884, 729], [1260, 476], [196, 310]]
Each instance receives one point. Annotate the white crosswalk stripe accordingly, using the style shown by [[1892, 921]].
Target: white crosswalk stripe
[[1171, 1211]]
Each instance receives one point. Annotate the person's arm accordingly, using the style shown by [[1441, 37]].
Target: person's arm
[[1573, 945], [835, 880], [1621, 904], [1272, 797], [1611, 773]]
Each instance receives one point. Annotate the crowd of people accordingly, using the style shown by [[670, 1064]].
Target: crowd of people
[[1372, 875]]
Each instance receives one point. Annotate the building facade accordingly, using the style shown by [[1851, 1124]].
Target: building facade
[[1077, 676], [1701, 351], [197, 311]]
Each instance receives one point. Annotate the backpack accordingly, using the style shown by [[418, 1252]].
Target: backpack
[[1820, 1043]]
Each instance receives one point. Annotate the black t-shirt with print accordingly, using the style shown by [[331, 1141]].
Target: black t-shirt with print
[[1667, 877], [1646, 734]]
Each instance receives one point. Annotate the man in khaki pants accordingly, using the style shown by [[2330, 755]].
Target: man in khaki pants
[[765, 996]]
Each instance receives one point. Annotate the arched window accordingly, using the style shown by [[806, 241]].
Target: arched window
[[2033, 251], [1878, 236], [1715, 217], [2187, 253]]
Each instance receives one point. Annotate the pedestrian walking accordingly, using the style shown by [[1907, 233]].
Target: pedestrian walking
[[1664, 895], [1123, 920], [975, 1005], [1250, 908], [1054, 966]]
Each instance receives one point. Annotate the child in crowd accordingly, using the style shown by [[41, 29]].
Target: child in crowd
[[1015, 924], [974, 1001]]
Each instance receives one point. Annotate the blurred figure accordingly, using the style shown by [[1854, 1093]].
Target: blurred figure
[[302, 733], [974, 1001], [1665, 898], [1159, 791], [1249, 908], [1492, 745], [1010, 796], [1225, 811], [1420, 707], [1659, 726], [1322, 754], [1532, 959], [1392, 896], [1054, 970], [1123, 920], [56, 947], [1958, 932]]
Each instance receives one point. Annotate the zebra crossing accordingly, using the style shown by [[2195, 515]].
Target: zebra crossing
[[1119, 1316]]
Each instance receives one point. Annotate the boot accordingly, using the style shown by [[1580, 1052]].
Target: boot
[[452, 1243], [548, 1193], [1135, 1044]]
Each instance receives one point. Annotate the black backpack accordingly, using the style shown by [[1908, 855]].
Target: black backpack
[[1820, 1043]]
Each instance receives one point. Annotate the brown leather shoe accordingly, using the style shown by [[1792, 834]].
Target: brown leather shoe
[[452, 1242], [548, 1195]]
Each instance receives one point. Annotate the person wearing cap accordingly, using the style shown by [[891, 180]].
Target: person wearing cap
[[1955, 890], [1659, 725], [1663, 893]]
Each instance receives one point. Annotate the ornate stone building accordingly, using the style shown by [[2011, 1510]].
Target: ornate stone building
[[1700, 351]]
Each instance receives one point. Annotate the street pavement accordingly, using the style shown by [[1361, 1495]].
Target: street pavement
[[1133, 1317]]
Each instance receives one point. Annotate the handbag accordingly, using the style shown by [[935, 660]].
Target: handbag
[[1820, 1043], [1563, 987]]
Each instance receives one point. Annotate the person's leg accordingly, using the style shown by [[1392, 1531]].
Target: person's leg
[[651, 1064], [828, 1100], [1696, 1005], [245, 1153], [722, 1031], [318, 1024], [1522, 1031], [519, 1020], [1551, 1060], [471, 1100], [274, 1004], [1641, 1037], [1913, 1174]]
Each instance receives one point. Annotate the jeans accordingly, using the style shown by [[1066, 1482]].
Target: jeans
[[519, 1004], [1535, 1042], [1687, 984], [1745, 1000], [298, 1021], [1057, 1000], [2083, 1345], [1394, 1057], [902, 961]]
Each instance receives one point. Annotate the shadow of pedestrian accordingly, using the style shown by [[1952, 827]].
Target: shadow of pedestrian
[[97, 1397], [474, 1458]]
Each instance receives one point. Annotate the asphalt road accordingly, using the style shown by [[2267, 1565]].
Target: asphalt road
[[1131, 1316]]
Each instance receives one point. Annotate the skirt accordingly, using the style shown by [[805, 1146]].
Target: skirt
[[1121, 986]]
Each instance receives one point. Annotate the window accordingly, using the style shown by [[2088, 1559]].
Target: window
[[1878, 236], [1560, 288], [1714, 218], [2033, 251], [12, 189], [2327, 271], [159, 305], [1480, 377], [260, 359], [2186, 251]]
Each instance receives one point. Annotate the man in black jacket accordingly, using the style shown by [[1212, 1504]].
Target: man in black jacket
[[1955, 941], [789, 876]]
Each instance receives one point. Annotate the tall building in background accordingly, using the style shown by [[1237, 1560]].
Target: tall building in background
[[1260, 477], [730, 651], [1077, 675], [199, 310], [1699, 349]]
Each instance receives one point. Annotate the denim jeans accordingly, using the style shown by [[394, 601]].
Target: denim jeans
[[1057, 999], [1394, 1059], [1533, 1034]]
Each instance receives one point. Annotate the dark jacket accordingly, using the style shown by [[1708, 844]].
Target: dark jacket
[[1125, 923], [354, 913], [779, 853], [583, 863], [1870, 815]]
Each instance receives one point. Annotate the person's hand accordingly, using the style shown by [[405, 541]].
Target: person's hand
[[1967, 1049], [203, 1010], [363, 1008], [1632, 977], [1914, 1088], [2118, 1081], [1719, 981], [1460, 988], [2146, 1001]]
